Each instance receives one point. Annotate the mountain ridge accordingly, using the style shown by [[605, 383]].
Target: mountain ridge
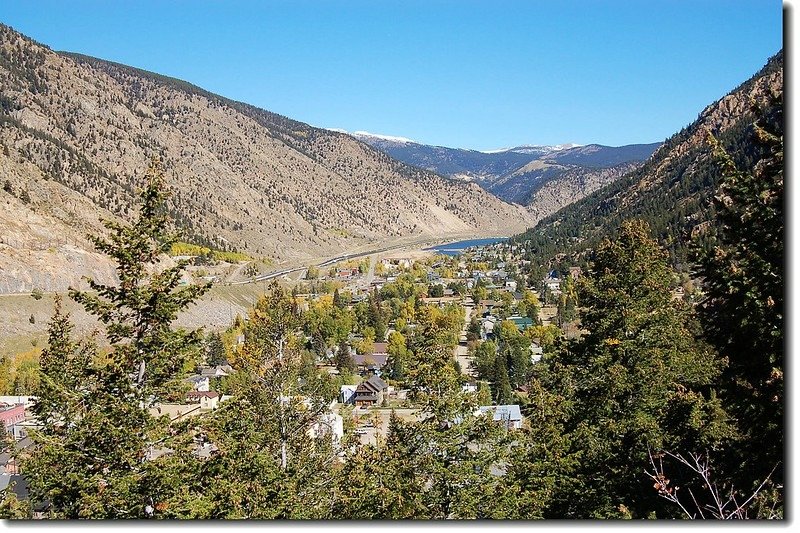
[[673, 190], [568, 171], [241, 177]]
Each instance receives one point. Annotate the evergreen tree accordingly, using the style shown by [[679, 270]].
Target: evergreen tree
[[398, 355], [267, 465], [639, 380], [94, 457], [215, 350], [138, 312], [744, 308], [343, 360], [10, 505]]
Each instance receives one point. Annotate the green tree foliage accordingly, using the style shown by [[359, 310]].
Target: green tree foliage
[[744, 308], [447, 465], [267, 464], [87, 462], [430, 371], [10, 505], [436, 290], [529, 305], [215, 350], [505, 363], [138, 312], [398, 356], [567, 302], [343, 360], [90, 458], [638, 380], [514, 349]]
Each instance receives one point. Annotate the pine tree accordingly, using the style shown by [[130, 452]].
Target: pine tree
[[638, 380], [92, 458], [744, 308], [138, 312], [267, 464]]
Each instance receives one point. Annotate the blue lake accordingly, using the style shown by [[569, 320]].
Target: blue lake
[[455, 248]]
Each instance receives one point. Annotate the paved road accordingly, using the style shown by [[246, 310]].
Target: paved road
[[329, 262]]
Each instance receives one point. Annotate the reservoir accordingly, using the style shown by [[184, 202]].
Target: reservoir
[[455, 248]]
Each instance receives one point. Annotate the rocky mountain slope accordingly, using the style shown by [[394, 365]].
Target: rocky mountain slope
[[515, 174], [673, 190], [77, 132]]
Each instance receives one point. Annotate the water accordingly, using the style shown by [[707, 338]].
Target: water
[[455, 248]]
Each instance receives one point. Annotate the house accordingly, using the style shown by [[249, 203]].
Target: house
[[370, 392], [522, 322], [511, 285], [206, 399], [575, 272], [27, 401], [347, 393], [471, 387], [507, 415], [199, 383], [374, 360], [11, 414], [217, 371], [487, 327], [553, 282], [536, 352], [329, 423], [346, 273], [441, 301], [175, 411], [490, 304], [8, 464]]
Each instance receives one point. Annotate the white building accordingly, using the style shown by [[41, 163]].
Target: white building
[[508, 415]]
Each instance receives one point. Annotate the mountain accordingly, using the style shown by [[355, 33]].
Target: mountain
[[674, 188], [77, 134], [516, 174], [458, 163]]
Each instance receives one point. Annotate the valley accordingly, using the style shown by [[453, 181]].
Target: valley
[[209, 310]]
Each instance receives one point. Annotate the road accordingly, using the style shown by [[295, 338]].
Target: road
[[328, 262], [461, 351]]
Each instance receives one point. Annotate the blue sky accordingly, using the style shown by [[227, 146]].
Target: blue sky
[[473, 74]]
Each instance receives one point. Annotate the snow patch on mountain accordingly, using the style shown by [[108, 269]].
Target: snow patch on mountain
[[390, 138]]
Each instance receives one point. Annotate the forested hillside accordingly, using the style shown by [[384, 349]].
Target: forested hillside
[[673, 190]]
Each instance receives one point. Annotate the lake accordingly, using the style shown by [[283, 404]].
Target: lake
[[455, 248]]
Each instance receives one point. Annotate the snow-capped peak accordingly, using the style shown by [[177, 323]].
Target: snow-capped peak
[[391, 138], [534, 148]]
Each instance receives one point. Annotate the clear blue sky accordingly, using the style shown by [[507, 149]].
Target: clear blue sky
[[474, 74]]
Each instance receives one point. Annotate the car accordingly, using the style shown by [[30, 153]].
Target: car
[[360, 431]]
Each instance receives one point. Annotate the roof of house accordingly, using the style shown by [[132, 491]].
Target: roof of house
[[379, 348], [372, 385], [367, 397], [220, 370], [377, 359], [199, 394], [521, 321], [503, 412]]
